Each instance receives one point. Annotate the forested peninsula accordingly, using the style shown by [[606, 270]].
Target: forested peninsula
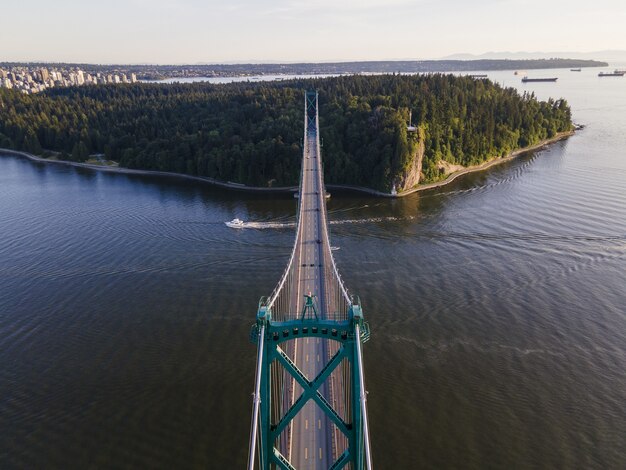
[[378, 132]]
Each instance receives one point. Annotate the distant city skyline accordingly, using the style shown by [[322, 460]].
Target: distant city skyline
[[196, 31]]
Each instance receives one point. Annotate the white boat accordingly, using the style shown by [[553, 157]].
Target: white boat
[[235, 223]]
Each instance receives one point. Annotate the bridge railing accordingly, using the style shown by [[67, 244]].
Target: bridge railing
[[339, 299], [288, 274]]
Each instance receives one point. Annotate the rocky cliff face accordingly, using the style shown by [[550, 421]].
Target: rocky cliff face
[[411, 176]]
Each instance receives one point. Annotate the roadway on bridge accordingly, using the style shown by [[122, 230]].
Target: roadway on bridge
[[311, 435]]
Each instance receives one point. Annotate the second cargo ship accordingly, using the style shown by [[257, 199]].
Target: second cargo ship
[[551, 79]]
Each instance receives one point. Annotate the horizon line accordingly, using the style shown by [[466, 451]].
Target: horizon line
[[296, 62]]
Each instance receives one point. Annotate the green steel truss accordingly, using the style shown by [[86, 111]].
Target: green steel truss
[[308, 325], [311, 108]]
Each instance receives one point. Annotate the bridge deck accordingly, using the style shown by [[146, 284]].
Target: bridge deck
[[318, 426], [311, 436]]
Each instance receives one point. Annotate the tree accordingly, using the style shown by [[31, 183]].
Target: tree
[[250, 132]]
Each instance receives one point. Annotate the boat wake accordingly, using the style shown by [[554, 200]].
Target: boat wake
[[239, 224], [259, 225], [370, 220]]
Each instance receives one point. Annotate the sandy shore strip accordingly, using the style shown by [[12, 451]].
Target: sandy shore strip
[[291, 189], [470, 169], [489, 163]]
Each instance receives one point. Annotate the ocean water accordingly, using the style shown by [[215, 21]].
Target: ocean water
[[497, 306]]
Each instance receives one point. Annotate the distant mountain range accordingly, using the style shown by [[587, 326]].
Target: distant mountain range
[[606, 55]]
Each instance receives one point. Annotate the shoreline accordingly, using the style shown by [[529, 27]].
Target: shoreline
[[488, 164], [291, 189], [167, 174]]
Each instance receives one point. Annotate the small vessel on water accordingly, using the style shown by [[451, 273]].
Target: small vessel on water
[[617, 73], [551, 79], [575, 70], [478, 75], [235, 223]]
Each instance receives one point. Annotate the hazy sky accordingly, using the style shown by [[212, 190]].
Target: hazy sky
[[191, 31]]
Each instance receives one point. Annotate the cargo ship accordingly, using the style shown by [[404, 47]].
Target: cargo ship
[[551, 79], [617, 73]]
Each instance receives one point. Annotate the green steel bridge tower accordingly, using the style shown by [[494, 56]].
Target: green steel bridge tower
[[309, 405]]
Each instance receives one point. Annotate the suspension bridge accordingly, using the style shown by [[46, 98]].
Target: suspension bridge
[[309, 403]]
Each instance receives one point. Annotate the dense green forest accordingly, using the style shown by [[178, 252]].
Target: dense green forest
[[251, 132]]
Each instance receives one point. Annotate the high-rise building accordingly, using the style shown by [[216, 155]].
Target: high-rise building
[[133, 78]]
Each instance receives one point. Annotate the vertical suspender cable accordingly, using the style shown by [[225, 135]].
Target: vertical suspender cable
[[363, 400], [257, 401]]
